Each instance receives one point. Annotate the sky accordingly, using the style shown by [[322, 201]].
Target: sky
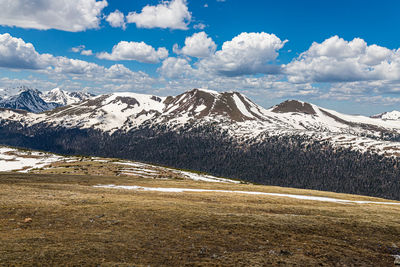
[[342, 55]]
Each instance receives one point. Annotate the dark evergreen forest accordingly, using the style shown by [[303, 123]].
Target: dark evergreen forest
[[294, 161]]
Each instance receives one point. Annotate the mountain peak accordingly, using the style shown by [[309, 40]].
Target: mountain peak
[[392, 115], [27, 99], [63, 98], [56, 91], [203, 103], [294, 106], [205, 91]]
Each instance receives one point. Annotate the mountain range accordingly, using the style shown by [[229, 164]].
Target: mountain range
[[294, 143], [36, 101]]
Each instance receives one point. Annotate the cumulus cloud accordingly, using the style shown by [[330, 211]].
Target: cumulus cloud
[[138, 51], [96, 77], [78, 48], [247, 53], [87, 52], [172, 14], [174, 67], [116, 19], [17, 54], [66, 65], [338, 60], [198, 45], [30, 81], [81, 49], [65, 15]]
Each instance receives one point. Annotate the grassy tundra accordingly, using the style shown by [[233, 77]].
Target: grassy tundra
[[58, 219]]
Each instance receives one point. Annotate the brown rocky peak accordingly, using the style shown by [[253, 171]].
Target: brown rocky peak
[[290, 106]]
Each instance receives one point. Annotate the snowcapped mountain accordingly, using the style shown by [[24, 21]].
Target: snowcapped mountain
[[35, 101], [64, 97], [226, 134], [27, 99], [229, 112], [393, 115]]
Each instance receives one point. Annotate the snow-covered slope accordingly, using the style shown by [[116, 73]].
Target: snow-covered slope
[[27, 99], [13, 159], [64, 97], [393, 115], [119, 111], [226, 111], [35, 101]]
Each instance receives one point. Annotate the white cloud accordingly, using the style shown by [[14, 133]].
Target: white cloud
[[337, 60], [116, 19], [30, 81], [73, 73], [66, 15], [198, 45], [247, 53], [174, 67], [87, 52], [66, 65], [199, 26], [78, 48], [81, 49], [172, 14], [138, 51], [17, 54]]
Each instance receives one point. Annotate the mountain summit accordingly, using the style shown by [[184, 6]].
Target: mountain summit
[[393, 115], [293, 106], [64, 97], [29, 100], [35, 101]]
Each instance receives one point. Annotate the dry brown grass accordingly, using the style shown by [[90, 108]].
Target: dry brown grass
[[87, 166], [76, 224]]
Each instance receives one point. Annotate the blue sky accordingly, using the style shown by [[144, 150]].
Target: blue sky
[[338, 54]]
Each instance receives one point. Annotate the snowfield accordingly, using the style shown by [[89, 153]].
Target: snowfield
[[183, 190], [12, 159], [143, 169]]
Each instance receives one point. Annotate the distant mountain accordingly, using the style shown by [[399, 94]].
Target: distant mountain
[[64, 97], [29, 100], [294, 143], [35, 101], [393, 115]]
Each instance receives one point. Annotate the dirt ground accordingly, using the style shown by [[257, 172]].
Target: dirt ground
[[61, 220]]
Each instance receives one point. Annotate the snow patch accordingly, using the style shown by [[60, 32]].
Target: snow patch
[[24, 161], [242, 108], [182, 190]]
